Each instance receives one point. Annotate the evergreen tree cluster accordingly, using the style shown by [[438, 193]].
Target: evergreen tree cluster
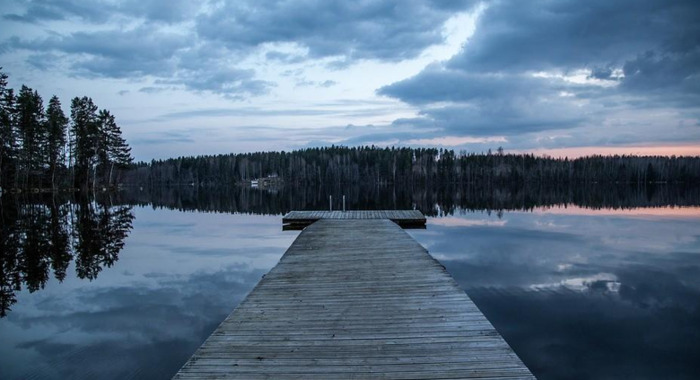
[[342, 165], [43, 148]]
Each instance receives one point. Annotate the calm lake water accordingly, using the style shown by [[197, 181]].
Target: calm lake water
[[577, 292]]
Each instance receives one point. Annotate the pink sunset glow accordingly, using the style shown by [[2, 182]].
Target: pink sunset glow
[[658, 150]]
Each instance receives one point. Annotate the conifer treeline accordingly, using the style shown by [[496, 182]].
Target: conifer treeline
[[412, 165], [42, 148]]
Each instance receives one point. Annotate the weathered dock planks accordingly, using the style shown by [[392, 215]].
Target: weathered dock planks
[[404, 218], [355, 298]]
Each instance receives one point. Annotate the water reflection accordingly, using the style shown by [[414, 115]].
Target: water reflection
[[431, 200], [583, 283], [43, 236], [585, 296], [179, 274]]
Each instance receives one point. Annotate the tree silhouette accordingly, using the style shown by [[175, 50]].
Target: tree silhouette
[[56, 124], [29, 116], [411, 166], [33, 146], [8, 134]]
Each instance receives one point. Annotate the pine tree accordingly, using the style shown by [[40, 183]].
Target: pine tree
[[105, 120], [8, 133], [118, 151], [84, 131], [29, 116], [111, 150], [56, 123], [33, 140]]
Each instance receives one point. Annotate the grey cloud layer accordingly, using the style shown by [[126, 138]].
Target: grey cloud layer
[[646, 52], [197, 45], [113, 53], [387, 30], [99, 11], [491, 87]]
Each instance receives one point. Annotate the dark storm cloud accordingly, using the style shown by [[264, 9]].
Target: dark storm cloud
[[113, 53], [504, 119], [168, 11], [438, 84], [43, 61], [148, 51], [489, 104], [234, 83], [38, 11], [195, 44], [650, 48], [284, 57], [676, 73], [517, 35], [605, 73], [386, 30], [657, 42]]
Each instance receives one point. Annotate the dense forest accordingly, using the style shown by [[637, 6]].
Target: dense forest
[[41, 148], [341, 165]]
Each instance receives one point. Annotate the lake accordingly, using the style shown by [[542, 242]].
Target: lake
[[590, 284]]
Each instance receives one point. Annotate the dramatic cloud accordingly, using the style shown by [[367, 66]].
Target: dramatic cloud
[[491, 103], [113, 53], [554, 65], [368, 29], [535, 74], [233, 82], [656, 43], [41, 11], [99, 11], [438, 84], [202, 46]]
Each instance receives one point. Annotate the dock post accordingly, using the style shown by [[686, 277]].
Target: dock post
[[343, 203], [330, 203]]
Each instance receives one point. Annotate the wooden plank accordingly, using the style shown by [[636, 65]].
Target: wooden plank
[[355, 297]]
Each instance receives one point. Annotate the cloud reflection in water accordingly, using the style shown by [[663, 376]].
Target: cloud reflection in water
[[582, 295], [177, 278]]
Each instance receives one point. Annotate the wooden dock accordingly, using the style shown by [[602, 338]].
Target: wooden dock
[[404, 218], [355, 299]]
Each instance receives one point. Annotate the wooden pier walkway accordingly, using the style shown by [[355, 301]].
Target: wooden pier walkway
[[355, 299]]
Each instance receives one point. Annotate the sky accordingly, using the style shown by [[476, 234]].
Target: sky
[[190, 77]]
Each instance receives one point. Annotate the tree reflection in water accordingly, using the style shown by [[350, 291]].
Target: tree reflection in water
[[43, 235], [430, 200]]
